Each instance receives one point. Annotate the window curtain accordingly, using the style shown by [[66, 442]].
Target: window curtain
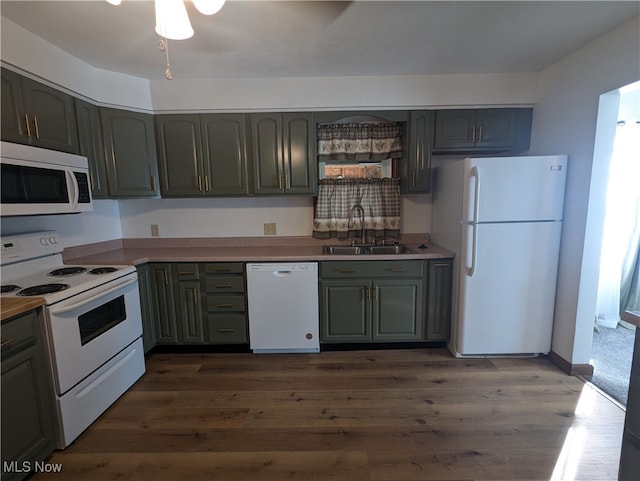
[[619, 280], [356, 142], [380, 199]]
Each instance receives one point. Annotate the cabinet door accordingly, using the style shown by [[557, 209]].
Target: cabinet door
[[92, 147], [299, 155], [52, 116], [344, 311], [146, 297], [397, 310], [131, 153], [418, 172], [495, 128], [13, 114], [266, 136], [163, 304], [454, 129], [27, 395], [224, 154], [438, 315], [179, 155], [189, 313]]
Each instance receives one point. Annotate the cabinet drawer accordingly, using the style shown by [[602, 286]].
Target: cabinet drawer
[[223, 268], [230, 303], [187, 271], [19, 333], [231, 329], [222, 284], [351, 269]]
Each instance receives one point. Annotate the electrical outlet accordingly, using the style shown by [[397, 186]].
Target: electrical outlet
[[270, 228], [155, 230]]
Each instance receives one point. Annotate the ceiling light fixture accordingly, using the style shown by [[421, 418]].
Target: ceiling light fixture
[[172, 21]]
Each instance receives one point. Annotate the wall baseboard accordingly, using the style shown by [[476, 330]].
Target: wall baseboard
[[570, 369]]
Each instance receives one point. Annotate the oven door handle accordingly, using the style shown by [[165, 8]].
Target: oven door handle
[[94, 294]]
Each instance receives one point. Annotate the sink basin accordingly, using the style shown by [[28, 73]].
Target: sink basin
[[394, 249], [343, 250], [356, 250]]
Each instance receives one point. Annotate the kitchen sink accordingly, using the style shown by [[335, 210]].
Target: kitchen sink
[[357, 250]]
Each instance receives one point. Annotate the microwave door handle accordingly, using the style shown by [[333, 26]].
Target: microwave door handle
[[75, 190]]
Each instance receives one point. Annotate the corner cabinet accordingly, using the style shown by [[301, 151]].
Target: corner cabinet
[[130, 152], [92, 147], [36, 114], [482, 130], [28, 434], [380, 301], [284, 153], [202, 155]]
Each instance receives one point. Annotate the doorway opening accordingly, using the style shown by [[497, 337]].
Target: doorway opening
[[618, 283]]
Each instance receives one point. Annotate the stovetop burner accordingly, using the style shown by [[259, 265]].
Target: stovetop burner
[[67, 271], [103, 270], [9, 288], [43, 289]]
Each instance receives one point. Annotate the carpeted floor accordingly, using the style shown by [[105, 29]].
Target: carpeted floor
[[611, 351]]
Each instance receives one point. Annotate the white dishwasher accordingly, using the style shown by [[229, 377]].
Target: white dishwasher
[[283, 307]]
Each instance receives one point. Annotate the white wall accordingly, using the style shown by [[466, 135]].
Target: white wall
[[565, 120], [102, 224]]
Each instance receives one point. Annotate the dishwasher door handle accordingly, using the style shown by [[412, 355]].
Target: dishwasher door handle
[[281, 273]]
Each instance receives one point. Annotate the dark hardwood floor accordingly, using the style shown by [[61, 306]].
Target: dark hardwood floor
[[388, 415]]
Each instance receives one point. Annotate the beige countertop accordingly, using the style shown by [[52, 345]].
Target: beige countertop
[[13, 306], [141, 251]]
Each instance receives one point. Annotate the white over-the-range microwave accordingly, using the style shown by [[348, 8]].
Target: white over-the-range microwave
[[39, 181]]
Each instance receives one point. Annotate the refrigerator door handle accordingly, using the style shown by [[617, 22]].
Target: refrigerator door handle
[[470, 253], [475, 174], [476, 192]]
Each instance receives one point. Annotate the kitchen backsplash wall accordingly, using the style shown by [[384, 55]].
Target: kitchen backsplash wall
[[224, 217]]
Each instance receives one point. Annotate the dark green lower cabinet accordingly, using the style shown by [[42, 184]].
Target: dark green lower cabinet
[[439, 279], [385, 301], [145, 286], [27, 397], [193, 303]]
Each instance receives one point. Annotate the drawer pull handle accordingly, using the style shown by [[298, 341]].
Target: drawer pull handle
[[397, 269], [346, 271], [222, 269], [186, 273], [224, 305], [6, 342], [226, 329], [223, 286]]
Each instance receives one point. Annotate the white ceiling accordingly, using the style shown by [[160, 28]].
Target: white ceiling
[[257, 39]]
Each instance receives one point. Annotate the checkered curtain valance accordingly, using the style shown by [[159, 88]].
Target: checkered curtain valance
[[380, 199]]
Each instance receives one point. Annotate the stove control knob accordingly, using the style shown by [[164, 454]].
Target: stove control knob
[[53, 239], [44, 241]]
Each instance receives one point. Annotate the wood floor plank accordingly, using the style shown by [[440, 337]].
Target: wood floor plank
[[387, 415]]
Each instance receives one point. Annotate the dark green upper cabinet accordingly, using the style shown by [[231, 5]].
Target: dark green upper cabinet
[[202, 155], [482, 130], [224, 154], [36, 114], [179, 155], [130, 152], [417, 173], [92, 146], [284, 160]]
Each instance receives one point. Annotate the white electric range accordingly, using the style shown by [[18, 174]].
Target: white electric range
[[93, 326]]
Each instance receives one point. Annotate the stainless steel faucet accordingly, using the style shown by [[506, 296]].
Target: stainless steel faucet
[[360, 209]]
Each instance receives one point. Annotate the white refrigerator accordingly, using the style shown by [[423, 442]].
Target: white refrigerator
[[502, 216]]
